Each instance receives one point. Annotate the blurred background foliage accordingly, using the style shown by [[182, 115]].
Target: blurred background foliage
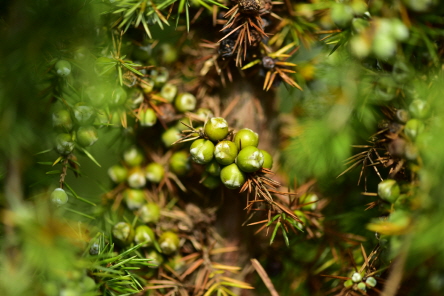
[[370, 109]]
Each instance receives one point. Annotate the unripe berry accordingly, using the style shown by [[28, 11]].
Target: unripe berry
[[356, 277], [136, 178], [250, 159], [149, 213], [63, 68], [59, 197], [134, 198], [169, 242], [213, 168], [185, 102], [123, 232], [154, 172], [147, 117], [307, 198], [102, 119], [211, 182], [147, 85], [216, 128], [413, 128], [117, 173], [61, 120], [119, 96], [179, 163], [348, 283], [155, 258], [268, 160], [202, 151], [83, 114], [159, 76], [362, 286], [371, 281], [176, 262], [98, 95], [168, 92], [64, 144], [246, 137], [388, 190], [86, 136], [232, 177], [225, 152], [144, 235], [204, 113], [133, 157], [170, 136]]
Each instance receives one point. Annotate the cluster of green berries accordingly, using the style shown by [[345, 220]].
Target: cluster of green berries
[[309, 204], [359, 282], [228, 160]]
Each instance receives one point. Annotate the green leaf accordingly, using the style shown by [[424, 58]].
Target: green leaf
[[44, 151], [78, 197], [53, 172], [89, 155], [273, 235], [80, 213]]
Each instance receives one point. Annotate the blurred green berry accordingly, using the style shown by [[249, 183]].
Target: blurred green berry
[[388, 190], [136, 178], [348, 283], [159, 76], [145, 235], [133, 156], [149, 213], [419, 109], [119, 96], [59, 197], [61, 120], [170, 136], [134, 198], [83, 114], [86, 136], [371, 281], [155, 258], [168, 92], [268, 160], [211, 182], [154, 172], [356, 277], [309, 198], [63, 68], [117, 173], [362, 286], [179, 163], [213, 168], [64, 144], [123, 232], [169, 242], [413, 128], [147, 117], [185, 102]]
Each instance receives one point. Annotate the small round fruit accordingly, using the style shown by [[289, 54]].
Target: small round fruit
[[246, 137], [98, 95], [179, 163], [117, 173], [134, 198], [216, 128], [160, 76], [362, 286], [149, 213], [94, 249], [419, 109], [169, 242], [356, 277], [309, 199], [211, 182], [176, 262], [64, 144], [123, 232], [133, 156], [168, 92], [250, 159], [102, 119], [144, 235], [154, 172], [147, 85], [388, 190], [202, 151], [232, 177], [118, 96], [136, 178], [348, 283], [170, 136], [63, 68], [268, 160], [156, 259], [147, 117], [204, 113], [225, 152], [213, 168], [301, 217], [86, 136], [83, 114], [413, 128], [371, 281], [61, 120], [185, 102], [59, 197]]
